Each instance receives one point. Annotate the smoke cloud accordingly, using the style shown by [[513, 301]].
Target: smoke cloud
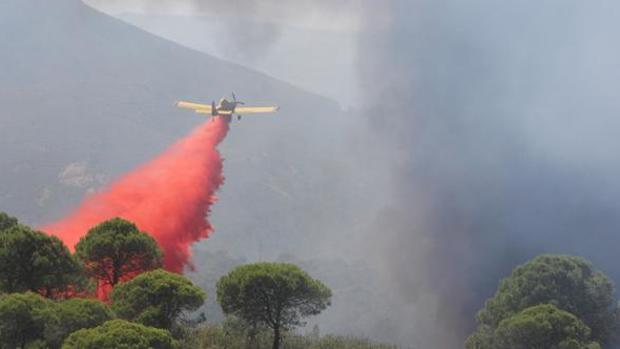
[[168, 197], [232, 18], [499, 137]]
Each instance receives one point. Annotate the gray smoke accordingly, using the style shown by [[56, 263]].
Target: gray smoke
[[498, 122], [236, 36]]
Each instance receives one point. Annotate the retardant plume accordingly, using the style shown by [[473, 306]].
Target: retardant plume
[[168, 197]]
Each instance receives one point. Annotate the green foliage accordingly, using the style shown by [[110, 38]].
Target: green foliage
[[569, 283], [23, 317], [33, 261], [120, 334], [116, 249], [543, 327], [72, 315], [31, 321], [225, 337], [156, 298], [7, 221], [277, 295]]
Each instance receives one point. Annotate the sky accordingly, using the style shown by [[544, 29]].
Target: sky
[[268, 36], [323, 14]]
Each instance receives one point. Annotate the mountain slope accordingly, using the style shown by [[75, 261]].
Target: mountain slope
[[81, 88], [86, 97], [279, 51]]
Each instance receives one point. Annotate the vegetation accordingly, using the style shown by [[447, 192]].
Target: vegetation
[[33, 261], [156, 298], [22, 319], [276, 295], [72, 315], [569, 283], [39, 279], [550, 302], [116, 249], [120, 334], [543, 327], [7, 221], [29, 320], [233, 336]]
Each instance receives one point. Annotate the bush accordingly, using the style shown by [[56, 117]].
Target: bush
[[233, 335], [120, 334]]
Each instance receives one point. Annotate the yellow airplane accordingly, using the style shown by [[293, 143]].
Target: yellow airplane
[[226, 108]]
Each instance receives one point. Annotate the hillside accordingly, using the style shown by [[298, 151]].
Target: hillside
[[281, 51], [86, 97]]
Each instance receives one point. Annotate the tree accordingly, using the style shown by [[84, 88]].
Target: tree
[[277, 295], [120, 334], [569, 283], [73, 315], [156, 298], [33, 261], [7, 221], [116, 250], [543, 327], [27, 320], [23, 317]]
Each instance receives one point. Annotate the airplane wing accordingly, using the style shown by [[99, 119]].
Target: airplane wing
[[255, 110], [208, 111], [199, 108]]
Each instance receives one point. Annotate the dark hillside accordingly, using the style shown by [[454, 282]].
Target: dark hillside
[[84, 90], [86, 97]]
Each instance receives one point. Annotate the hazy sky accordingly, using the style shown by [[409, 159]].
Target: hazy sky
[[310, 44], [323, 14]]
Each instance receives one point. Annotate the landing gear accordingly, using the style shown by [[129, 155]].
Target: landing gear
[[238, 117]]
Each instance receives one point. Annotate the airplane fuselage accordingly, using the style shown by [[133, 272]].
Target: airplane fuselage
[[226, 108], [226, 105]]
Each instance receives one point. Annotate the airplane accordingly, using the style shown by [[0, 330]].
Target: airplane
[[226, 108]]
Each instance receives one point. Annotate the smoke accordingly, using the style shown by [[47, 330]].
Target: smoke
[[169, 197], [500, 144], [247, 28]]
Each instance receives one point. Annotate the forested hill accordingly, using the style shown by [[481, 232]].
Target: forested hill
[[86, 97]]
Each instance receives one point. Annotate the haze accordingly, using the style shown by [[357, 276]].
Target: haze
[[431, 147]]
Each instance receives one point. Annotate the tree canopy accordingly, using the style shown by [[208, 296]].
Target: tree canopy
[[33, 261], [569, 283], [543, 327], [74, 314], [277, 295], [116, 249], [156, 298], [120, 334], [7, 221], [29, 320], [23, 317]]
